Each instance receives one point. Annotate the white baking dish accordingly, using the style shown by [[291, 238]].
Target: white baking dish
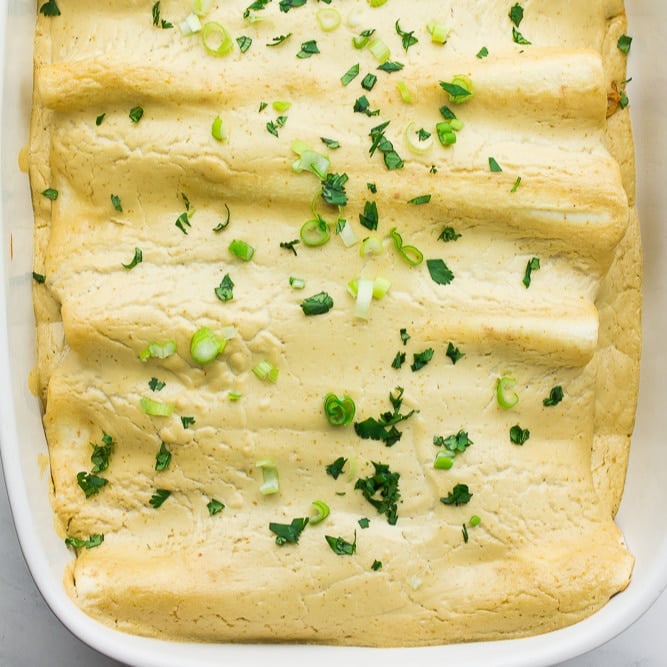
[[23, 447]]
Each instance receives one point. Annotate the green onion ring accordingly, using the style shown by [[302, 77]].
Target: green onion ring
[[339, 411]]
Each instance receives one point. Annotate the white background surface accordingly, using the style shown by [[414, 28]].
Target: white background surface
[[31, 635]]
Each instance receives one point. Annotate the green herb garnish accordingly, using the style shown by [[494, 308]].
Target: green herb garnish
[[459, 495], [288, 532], [317, 304]]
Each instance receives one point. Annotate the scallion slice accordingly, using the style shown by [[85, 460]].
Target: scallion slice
[[315, 232], [339, 411], [217, 130], [417, 141], [158, 350], [506, 398], [205, 345], [310, 160], [190, 25], [371, 246], [346, 233], [322, 510], [364, 298], [297, 283], [328, 18], [406, 95], [380, 287], [201, 7], [241, 249], [409, 253], [265, 370], [380, 50], [270, 480], [438, 31], [155, 408], [443, 460], [216, 40]]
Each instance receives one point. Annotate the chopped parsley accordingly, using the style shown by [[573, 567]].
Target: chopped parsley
[[286, 5], [225, 290], [369, 218], [336, 468], [421, 199], [377, 565], [288, 532], [516, 14], [364, 522], [317, 304], [350, 75], [214, 507], [456, 443], [90, 483], [369, 81], [244, 43], [516, 185], [379, 141], [519, 435], [290, 245], [624, 43], [50, 8], [101, 453], [420, 359], [136, 114], [405, 336], [408, 39], [330, 143], [93, 541], [459, 495], [340, 546], [453, 352], [333, 189], [556, 395], [308, 49], [162, 458], [187, 421], [381, 490], [156, 385], [449, 234], [158, 498], [39, 278], [157, 21], [518, 38], [116, 203], [279, 39], [100, 119], [533, 265], [483, 53], [137, 259], [399, 360], [464, 532], [494, 166], [391, 66], [447, 113], [384, 428], [273, 126], [439, 271], [50, 193], [362, 105]]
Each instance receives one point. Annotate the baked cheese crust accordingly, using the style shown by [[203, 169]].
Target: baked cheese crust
[[531, 272]]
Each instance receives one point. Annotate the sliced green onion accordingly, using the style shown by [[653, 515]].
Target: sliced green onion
[[339, 411], [445, 133], [443, 461], [297, 283], [205, 345], [265, 370], [216, 40], [353, 19], [315, 232], [346, 233], [380, 50], [380, 287], [322, 510], [309, 160], [409, 253], [158, 350], [474, 520], [506, 398], [270, 481], [328, 18], [216, 129], [281, 106], [201, 7], [364, 298], [371, 246], [155, 408], [352, 287], [241, 249], [438, 31], [459, 89], [190, 25], [406, 96], [417, 143], [376, 3], [456, 124], [234, 395]]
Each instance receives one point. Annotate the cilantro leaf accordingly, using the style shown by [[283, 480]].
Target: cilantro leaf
[[459, 495], [453, 352], [288, 532], [439, 271], [158, 498], [381, 490], [317, 304], [420, 359], [50, 8], [336, 468], [225, 290], [519, 435], [556, 395], [340, 546]]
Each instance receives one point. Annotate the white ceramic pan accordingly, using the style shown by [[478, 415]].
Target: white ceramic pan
[[643, 514]]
